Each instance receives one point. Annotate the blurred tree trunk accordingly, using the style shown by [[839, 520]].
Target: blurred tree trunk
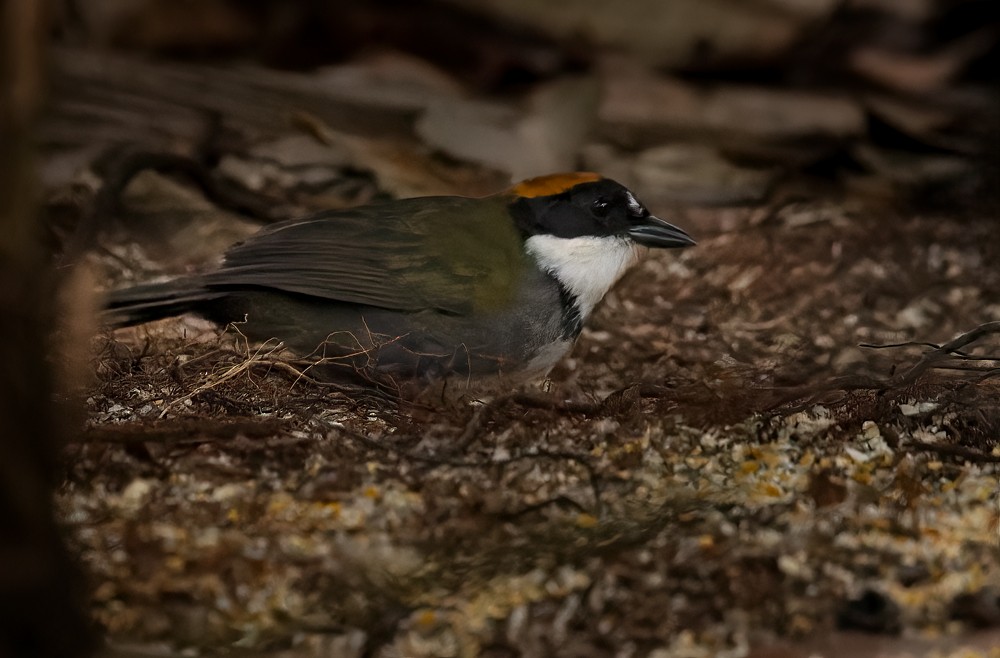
[[40, 615]]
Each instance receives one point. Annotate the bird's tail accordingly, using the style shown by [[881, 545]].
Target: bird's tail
[[153, 301]]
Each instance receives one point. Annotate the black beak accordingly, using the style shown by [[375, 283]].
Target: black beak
[[652, 231]]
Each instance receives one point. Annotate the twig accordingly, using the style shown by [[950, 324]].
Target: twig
[[929, 360], [949, 449], [948, 348], [561, 500], [182, 430], [908, 343], [225, 376]]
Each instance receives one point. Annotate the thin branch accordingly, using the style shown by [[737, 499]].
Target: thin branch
[[951, 449], [930, 360]]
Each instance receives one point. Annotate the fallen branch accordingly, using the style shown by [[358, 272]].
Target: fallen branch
[[940, 357], [181, 431], [952, 450]]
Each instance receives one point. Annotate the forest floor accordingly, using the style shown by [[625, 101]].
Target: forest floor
[[717, 467], [770, 444]]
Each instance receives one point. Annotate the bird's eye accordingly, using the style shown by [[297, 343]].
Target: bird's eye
[[601, 207]]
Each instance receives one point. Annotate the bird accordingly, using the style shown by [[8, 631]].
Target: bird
[[425, 288]]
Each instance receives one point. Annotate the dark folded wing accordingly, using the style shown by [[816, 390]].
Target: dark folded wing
[[409, 255]]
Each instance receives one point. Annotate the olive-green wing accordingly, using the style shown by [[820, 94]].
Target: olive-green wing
[[448, 254]]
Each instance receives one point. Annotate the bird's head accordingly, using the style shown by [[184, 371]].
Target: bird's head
[[587, 231]]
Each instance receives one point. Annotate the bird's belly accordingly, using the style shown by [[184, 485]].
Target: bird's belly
[[545, 358], [386, 345]]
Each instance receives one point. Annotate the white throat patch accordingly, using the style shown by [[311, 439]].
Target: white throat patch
[[587, 266]]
